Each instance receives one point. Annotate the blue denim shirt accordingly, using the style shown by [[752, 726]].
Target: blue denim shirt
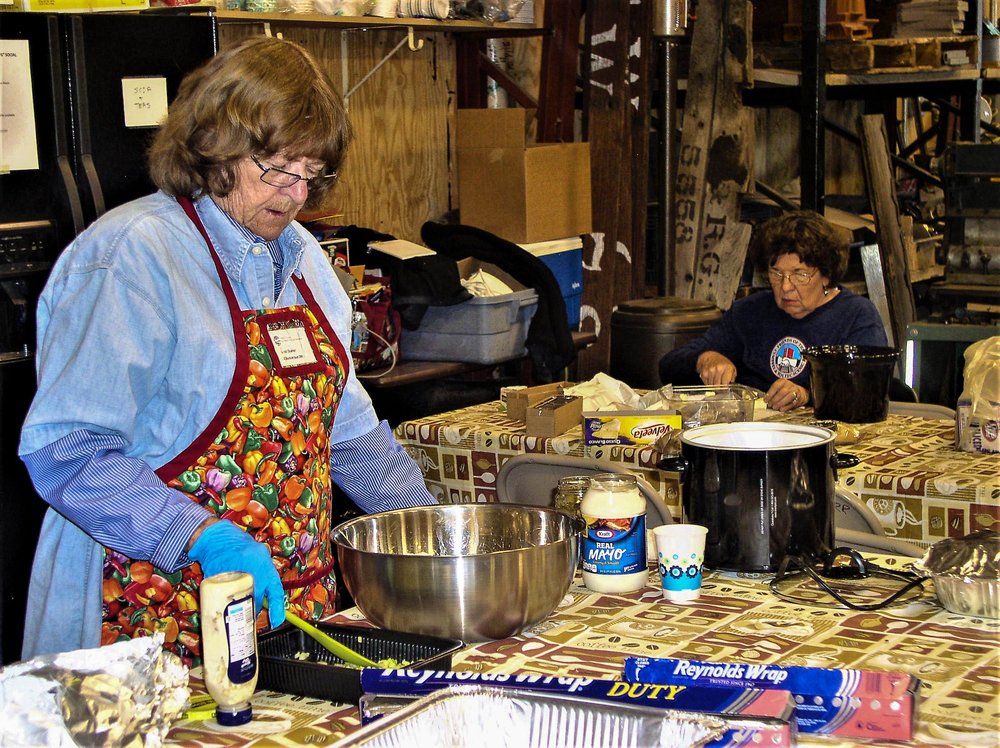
[[136, 353]]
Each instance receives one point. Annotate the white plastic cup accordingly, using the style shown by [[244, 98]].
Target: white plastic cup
[[680, 554]]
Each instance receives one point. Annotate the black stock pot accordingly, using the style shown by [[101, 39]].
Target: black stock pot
[[763, 490]]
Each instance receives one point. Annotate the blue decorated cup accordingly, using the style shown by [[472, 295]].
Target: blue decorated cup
[[680, 553]]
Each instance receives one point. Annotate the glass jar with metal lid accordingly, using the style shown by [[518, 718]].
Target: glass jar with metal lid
[[570, 492]]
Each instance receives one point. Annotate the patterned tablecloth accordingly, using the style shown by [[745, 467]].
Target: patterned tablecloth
[[461, 451], [737, 618], [921, 487], [910, 474]]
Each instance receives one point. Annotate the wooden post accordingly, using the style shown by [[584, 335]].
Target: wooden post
[[881, 183], [715, 161], [618, 40]]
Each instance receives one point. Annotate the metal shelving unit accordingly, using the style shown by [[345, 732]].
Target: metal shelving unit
[[815, 85]]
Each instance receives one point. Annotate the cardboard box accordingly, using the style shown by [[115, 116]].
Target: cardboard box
[[554, 416], [753, 716], [628, 426], [519, 399], [519, 191], [828, 701]]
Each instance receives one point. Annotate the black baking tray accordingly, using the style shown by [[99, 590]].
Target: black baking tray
[[325, 676]]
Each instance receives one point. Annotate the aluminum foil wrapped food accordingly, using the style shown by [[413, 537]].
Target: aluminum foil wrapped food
[[966, 573], [125, 694]]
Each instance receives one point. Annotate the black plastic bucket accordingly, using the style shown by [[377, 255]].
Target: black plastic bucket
[[851, 382], [644, 330]]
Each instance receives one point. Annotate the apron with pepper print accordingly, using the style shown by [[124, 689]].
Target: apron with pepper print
[[263, 463]]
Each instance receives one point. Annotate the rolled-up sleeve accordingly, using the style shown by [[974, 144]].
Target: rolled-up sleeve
[[377, 473], [119, 501]]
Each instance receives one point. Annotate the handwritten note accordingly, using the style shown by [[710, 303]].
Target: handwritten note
[[145, 101]]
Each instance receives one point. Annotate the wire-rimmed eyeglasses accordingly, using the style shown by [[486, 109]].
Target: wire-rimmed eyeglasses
[[280, 178], [797, 277]]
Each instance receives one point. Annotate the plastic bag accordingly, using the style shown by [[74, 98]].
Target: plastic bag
[[489, 11], [343, 7], [977, 420]]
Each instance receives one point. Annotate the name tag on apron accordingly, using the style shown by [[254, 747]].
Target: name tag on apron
[[288, 336]]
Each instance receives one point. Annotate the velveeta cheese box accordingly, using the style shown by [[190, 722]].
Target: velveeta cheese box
[[628, 426], [828, 701]]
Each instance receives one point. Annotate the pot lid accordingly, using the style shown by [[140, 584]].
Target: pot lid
[[668, 306], [751, 436]]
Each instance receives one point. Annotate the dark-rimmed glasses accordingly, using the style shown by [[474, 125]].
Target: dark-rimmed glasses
[[280, 178], [797, 277]]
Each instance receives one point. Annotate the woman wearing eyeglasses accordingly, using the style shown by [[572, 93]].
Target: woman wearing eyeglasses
[[760, 339], [196, 397]]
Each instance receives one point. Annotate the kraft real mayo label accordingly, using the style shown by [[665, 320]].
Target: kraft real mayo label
[[615, 546]]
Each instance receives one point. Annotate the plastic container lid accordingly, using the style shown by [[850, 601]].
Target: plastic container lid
[[664, 314], [667, 306]]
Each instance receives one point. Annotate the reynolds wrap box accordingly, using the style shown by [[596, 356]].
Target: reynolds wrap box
[[828, 701], [758, 716]]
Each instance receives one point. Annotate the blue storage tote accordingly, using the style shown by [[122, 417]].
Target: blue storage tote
[[564, 257]]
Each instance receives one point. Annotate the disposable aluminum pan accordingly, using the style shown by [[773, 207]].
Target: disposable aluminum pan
[[966, 573], [484, 717]]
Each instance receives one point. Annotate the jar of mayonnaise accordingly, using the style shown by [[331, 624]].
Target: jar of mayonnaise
[[614, 547], [229, 644]]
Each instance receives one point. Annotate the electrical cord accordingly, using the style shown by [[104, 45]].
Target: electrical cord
[[794, 567], [392, 351]]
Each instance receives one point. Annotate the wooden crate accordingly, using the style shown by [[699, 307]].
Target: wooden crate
[[896, 55]]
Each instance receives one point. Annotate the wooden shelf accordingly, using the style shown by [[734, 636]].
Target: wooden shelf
[[429, 25], [411, 372], [781, 77]]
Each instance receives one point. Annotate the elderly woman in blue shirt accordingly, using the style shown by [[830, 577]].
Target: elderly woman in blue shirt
[[759, 341], [196, 397]]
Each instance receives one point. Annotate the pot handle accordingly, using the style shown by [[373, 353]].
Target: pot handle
[[673, 464], [842, 460]]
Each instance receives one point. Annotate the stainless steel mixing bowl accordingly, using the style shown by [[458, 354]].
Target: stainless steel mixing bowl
[[464, 571]]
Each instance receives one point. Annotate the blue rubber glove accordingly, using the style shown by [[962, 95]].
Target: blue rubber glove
[[222, 546]]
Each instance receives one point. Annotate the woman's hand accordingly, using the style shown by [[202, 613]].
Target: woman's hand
[[222, 546], [785, 395], [715, 369]]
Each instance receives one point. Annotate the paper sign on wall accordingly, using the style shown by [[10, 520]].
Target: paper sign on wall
[[145, 101], [18, 146]]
